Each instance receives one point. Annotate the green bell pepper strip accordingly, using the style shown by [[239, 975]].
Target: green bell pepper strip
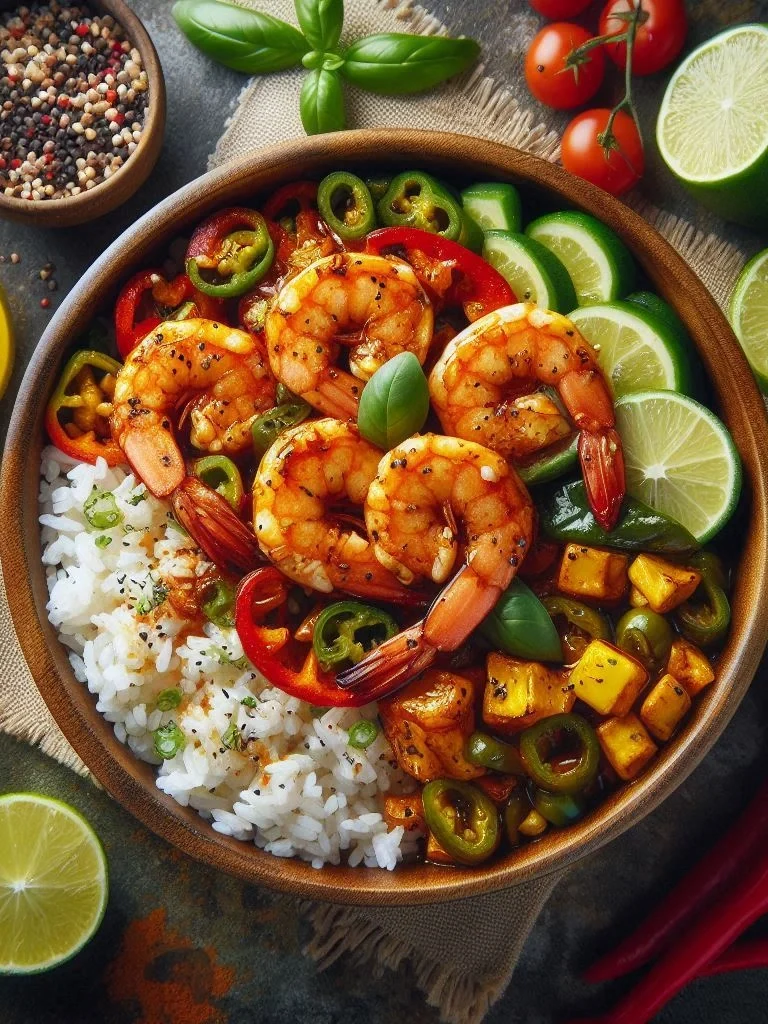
[[488, 752], [346, 205], [235, 245], [646, 636], [544, 734], [221, 475], [706, 623], [582, 624], [347, 630], [560, 809], [266, 428], [415, 200], [462, 819], [564, 515], [218, 605], [515, 812]]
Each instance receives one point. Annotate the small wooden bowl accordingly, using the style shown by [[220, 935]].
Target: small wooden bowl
[[132, 782], [109, 194]]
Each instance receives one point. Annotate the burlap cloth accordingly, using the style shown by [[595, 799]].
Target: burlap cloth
[[463, 954]]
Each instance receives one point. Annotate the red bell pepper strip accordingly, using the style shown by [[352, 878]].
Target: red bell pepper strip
[[476, 285], [299, 194], [85, 435], [269, 649], [741, 956], [718, 867]]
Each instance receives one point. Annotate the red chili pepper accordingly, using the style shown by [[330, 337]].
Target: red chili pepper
[[272, 650], [476, 285], [723, 862], [741, 956], [301, 194]]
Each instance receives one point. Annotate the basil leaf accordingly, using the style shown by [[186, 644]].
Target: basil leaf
[[321, 22], [393, 63], [322, 102], [394, 403], [520, 625], [239, 37]]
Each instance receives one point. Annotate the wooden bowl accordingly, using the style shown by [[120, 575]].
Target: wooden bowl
[[109, 194], [132, 782]]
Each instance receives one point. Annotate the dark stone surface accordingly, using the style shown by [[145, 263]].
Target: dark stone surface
[[232, 952]]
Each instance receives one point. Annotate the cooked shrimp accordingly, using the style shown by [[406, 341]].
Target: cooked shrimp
[[433, 497], [310, 471], [474, 383], [228, 370], [372, 305]]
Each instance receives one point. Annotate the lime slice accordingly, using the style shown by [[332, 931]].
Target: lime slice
[[749, 315], [492, 205], [6, 343], [599, 264], [679, 459], [636, 350], [712, 129], [551, 464], [53, 882], [531, 270]]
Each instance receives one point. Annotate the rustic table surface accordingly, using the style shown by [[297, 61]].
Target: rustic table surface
[[181, 944]]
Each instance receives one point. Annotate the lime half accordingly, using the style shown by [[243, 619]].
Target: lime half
[[599, 264], [712, 129], [53, 882], [749, 315], [637, 350], [679, 459], [533, 272]]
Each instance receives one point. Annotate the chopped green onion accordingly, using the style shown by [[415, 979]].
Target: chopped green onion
[[101, 511], [138, 498], [169, 740], [362, 734], [218, 606], [147, 602], [169, 699], [103, 541], [231, 737], [224, 658], [249, 702]]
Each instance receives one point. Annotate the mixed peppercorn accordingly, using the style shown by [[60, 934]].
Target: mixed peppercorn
[[73, 99]]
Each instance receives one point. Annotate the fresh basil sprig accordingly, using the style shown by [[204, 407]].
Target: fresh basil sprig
[[391, 63]]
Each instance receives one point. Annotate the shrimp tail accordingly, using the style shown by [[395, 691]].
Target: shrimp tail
[[155, 457], [391, 665], [602, 465]]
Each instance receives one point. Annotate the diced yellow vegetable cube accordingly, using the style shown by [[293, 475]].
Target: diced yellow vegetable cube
[[665, 707], [627, 745], [593, 573], [519, 693], [663, 584], [407, 811], [608, 679], [636, 599], [533, 824], [690, 666], [435, 852]]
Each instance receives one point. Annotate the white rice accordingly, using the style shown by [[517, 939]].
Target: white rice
[[297, 789]]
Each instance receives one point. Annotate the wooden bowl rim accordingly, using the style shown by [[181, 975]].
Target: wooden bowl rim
[[109, 194], [131, 782]]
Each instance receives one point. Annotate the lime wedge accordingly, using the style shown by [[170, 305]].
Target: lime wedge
[[712, 130], [637, 351], [599, 264], [53, 882], [679, 459], [748, 314], [533, 272]]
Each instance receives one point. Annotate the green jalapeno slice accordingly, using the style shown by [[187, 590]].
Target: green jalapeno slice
[[463, 819], [347, 630], [416, 200], [577, 769], [577, 625], [234, 248], [515, 812], [488, 752], [218, 605], [646, 635], [559, 809], [266, 428], [706, 622], [221, 475], [346, 205]]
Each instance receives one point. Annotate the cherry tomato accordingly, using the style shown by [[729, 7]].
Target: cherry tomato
[[560, 8], [583, 155], [548, 78], [659, 39]]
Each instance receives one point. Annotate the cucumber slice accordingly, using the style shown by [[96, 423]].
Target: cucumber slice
[[493, 206], [531, 270], [599, 264]]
